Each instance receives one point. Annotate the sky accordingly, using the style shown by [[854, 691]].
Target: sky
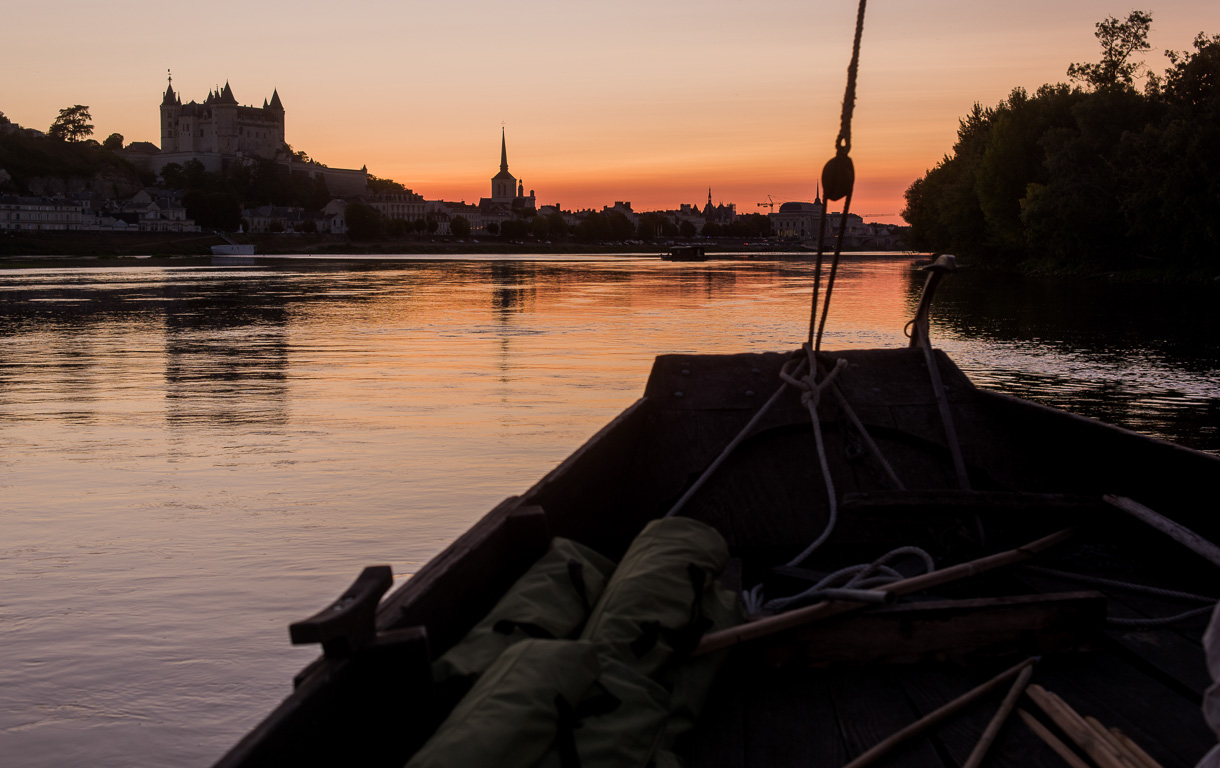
[[648, 101]]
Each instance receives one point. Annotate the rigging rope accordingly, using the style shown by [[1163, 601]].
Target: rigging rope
[[1143, 589], [838, 179]]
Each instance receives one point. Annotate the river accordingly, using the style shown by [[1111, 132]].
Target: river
[[192, 458]]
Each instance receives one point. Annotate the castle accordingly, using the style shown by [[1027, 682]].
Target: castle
[[220, 132]]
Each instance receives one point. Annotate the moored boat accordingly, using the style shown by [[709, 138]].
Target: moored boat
[[685, 253]]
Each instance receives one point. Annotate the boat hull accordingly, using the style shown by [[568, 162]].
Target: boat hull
[[1030, 467]]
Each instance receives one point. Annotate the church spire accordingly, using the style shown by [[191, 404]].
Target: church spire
[[503, 152]]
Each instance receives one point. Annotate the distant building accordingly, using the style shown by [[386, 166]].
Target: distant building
[[507, 194], [220, 132], [797, 219], [718, 214], [145, 212]]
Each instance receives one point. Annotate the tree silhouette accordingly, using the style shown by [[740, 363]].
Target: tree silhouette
[[72, 124], [1119, 39]]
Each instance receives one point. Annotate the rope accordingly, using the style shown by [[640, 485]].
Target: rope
[[736, 441], [1143, 589], [842, 149], [843, 142], [866, 576]]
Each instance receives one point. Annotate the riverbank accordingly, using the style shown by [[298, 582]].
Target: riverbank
[[1150, 272], [88, 248]]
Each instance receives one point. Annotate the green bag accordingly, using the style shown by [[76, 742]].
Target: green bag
[[512, 714], [551, 600], [653, 607], [690, 681], [619, 724]]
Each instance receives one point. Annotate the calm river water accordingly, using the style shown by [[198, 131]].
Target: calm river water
[[192, 458]]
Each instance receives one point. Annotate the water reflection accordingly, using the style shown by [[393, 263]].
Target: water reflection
[[226, 356], [1144, 357]]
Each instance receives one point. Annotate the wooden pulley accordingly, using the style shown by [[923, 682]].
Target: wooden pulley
[[838, 176]]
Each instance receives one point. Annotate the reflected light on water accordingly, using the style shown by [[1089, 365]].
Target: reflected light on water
[[194, 458]]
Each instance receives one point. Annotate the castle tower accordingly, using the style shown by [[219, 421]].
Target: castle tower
[[171, 106], [503, 185]]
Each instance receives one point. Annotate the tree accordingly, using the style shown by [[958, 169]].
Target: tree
[[459, 226], [1119, 40], [113, 142], [72, 124], [493, 228], [687, 229], [364, 222], [514, 229]]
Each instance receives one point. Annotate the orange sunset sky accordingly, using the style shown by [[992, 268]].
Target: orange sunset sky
[[651, 102]]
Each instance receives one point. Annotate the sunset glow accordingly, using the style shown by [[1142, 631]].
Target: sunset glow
[[641, 101]]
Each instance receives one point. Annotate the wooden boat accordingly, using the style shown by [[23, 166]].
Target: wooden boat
[[1020, 493]]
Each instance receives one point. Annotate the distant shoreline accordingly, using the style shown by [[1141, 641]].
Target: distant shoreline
[[92, 249]]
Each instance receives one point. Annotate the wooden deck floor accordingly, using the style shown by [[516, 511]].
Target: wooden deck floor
[[822, 718]]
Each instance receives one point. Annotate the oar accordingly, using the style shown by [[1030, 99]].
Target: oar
[[801, 616]]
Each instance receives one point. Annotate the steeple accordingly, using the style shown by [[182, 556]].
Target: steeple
[[275, 100], [818, 200], [709, 195], [169, 88], [503, 153]]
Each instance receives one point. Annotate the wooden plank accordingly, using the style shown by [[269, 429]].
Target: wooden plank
[[733, 382], [949, 501], [1165, 652], [959, 630], [718, 738], [1176, 531], [870, 708], [461, 584], [790, 721]]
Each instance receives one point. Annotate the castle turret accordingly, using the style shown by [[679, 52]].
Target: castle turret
[[171, 106]]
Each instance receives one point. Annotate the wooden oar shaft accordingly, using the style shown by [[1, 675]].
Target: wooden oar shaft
[[1176, 531], [801, 616], [1001, 716], [937, 715], [1052, 741], [1094, 744]]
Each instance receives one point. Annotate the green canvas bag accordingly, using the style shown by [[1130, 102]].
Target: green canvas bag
[[512, 714], [652, 609], [690, 681], [551, 600], [619, 724]]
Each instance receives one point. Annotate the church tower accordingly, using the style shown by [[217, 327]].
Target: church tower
[[503, 185]]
